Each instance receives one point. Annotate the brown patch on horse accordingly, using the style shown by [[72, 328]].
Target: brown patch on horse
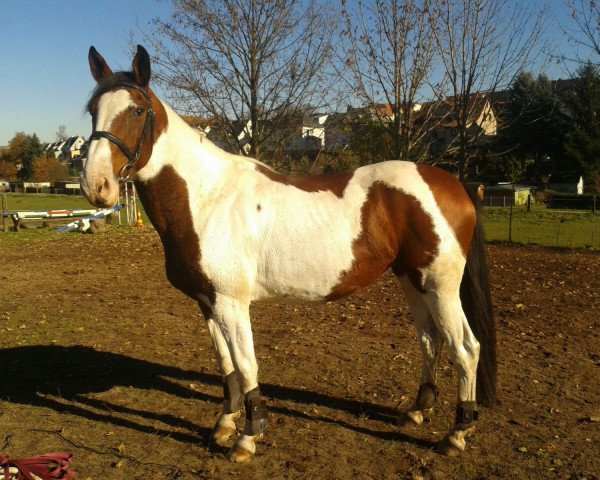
[[453, 201], [129, 127], [335, 182], [396, 232], [166, 202]]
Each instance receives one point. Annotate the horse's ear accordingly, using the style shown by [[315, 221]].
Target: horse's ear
[[141, 67], [98, 66]]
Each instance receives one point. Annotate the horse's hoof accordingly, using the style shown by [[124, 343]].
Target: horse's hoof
[[448, 448], [408, 419], [239, 454], [221, 434]]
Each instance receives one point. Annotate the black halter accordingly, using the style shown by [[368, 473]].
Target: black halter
[[125, 171]]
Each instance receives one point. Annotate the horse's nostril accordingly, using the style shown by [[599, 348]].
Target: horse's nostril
[[103, 186]]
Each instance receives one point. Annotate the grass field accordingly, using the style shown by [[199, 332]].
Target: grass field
[[541, 226], [43, 201]]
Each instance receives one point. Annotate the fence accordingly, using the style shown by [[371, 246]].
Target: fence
[[556, 227], [23, 202]]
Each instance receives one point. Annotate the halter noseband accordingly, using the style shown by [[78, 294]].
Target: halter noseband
[[125, 171]]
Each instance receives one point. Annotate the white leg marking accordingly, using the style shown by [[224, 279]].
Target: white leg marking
[[233, 319], [225, 425], [220, 346], [463, 347], [428, 334]]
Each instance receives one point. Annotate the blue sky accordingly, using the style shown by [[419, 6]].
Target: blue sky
[[44, 75]]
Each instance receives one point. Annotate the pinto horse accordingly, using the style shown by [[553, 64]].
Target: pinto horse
[[234, 231]]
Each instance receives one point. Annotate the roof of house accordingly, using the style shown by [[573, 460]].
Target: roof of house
[[440, 110], [508, 187]]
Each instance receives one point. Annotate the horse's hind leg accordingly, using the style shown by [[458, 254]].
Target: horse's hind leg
[[463, 348], [233, 399], [430, 341]]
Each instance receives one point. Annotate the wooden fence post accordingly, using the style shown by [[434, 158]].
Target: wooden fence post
[[4, 209]]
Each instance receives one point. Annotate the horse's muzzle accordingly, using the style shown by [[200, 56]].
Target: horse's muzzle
[[100, 191]]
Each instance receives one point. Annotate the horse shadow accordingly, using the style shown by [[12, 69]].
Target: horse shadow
[[59, 378]]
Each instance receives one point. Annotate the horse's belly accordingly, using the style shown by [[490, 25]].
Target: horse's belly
[[300, 277]]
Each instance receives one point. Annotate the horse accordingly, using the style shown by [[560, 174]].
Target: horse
[[235, 231]]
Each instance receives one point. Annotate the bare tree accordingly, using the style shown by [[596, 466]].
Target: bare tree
[[483, 45], [247, 64], [61, 134], [585, 15], [390, 59]]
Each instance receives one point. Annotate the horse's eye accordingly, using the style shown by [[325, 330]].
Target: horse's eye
[[139, 112]]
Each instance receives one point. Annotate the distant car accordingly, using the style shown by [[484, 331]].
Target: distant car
[[4, 186]]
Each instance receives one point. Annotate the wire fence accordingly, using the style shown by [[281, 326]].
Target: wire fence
[[541, 225]]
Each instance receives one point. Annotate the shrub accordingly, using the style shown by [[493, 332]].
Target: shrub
[[571, 201]]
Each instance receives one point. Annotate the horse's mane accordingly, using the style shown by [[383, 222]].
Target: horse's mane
[[118, 79]]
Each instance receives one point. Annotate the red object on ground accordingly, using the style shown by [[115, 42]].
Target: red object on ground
[[45, 467]]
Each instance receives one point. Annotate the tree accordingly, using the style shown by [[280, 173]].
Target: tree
[[582, 146], [534, 124], [390, 59], [61, 134], [8, 170], [22, 149], [48, 169], [585, 15], [482, 45], [245, 64]]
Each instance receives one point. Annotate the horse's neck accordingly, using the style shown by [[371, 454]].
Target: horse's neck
[[186, 150], [184, 167]]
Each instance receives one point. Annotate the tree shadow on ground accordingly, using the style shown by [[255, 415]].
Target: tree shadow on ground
[[60, 378]]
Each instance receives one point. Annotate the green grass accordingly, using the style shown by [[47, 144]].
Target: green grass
[[44, 201], [543, 226], [18, 202]]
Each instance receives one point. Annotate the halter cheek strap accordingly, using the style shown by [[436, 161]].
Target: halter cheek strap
[[132, 157]]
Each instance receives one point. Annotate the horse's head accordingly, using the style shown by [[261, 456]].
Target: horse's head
[[127, 119]]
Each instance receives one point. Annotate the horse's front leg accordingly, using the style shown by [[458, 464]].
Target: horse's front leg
[[233, 320], [232, 396]]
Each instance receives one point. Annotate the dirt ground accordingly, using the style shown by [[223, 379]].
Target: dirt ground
[[101, 357]]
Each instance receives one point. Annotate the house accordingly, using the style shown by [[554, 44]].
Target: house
[[566, 182], [481, 123], [309, 135], [55, 148], [302, 133], [377, 111], [505, 194], [72, 147], [337, 135], [68, 149]]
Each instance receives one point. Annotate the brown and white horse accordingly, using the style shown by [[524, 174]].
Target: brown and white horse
[[234, 232]]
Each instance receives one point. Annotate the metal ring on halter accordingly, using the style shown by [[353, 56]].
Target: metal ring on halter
[[128, 167]]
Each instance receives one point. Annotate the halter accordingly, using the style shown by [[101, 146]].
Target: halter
[[126, 170]]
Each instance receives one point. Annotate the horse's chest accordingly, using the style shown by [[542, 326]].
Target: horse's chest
[[182, 264]]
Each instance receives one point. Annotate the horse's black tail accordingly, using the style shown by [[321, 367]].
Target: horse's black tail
[[477, 305]]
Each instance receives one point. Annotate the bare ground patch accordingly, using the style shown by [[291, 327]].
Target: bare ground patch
[[101, 357]]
